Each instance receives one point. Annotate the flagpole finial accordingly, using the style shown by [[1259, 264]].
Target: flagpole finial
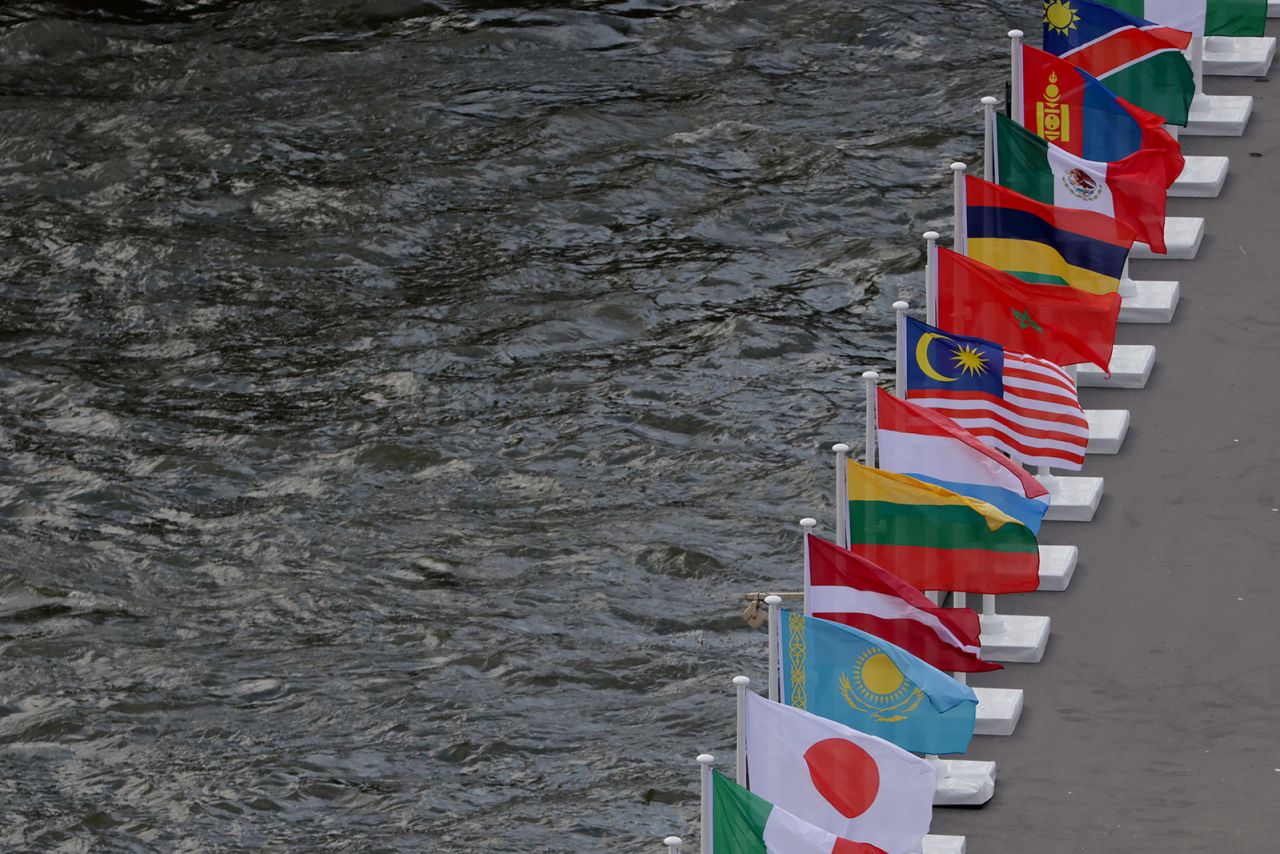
[[775, 600], [901, 305], [808, 522], [931, 235], [957, 166], [706, 759], [742, 680], [840, 448], [673, 842], [871, 375], [989, 101], [1016, 34]]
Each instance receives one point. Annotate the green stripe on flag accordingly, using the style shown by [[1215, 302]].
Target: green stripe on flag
[[1235, 17], [737, 818], [1163, 84], [934, 526], [1022, 161], [1038, 278]]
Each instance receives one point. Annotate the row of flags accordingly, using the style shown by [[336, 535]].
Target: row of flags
[[1078, 174]]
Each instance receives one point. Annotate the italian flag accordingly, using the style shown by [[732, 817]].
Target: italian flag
[[743, 823], [1202, 17], [1131, 190]]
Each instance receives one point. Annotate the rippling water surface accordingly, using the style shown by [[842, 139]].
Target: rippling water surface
[[399, 396]]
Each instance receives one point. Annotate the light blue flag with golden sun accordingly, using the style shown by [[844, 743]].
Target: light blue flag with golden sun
[[857, 679]]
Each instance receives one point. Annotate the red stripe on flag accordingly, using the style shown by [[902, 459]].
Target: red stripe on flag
[[968, 570]]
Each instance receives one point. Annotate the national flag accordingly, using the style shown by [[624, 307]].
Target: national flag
[[918, 441], [859, 680], [846, 782], [745, 823], [935, 539], [1069, 108], [1199, 17], [1132, 189], [846, 588], [1140, 61], [1026, 407], [1043, 244], [1067, 326]]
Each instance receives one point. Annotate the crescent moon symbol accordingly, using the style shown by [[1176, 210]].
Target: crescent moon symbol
[[922, 357]]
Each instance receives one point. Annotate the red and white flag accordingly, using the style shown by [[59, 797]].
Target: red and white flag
[[846, 782], [849, 589]]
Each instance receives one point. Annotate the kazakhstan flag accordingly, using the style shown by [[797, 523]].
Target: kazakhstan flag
[[856, 679]]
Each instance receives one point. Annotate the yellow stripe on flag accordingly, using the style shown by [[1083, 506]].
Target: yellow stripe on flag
[[869, 484], [1029, 256]]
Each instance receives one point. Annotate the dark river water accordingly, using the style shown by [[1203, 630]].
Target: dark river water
[[399, 396]]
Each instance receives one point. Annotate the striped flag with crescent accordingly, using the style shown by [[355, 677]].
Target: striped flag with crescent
[[1027, 407]]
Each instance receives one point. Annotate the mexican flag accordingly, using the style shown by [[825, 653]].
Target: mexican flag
[[1131, 190], [743, 823], [1199, 17]]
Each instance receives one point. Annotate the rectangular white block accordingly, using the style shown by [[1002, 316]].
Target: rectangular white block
[[1057, 566], [964, 783], [1218, 115], [1201, 177], [998, 710], [1131, 366], [1013, 637], [1073, 498], [1239, 56], [938, 844], [1182, 236], [1154, 302], [1107, 429]]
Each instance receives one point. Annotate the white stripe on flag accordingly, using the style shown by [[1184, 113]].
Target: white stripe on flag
[[850, 600], [944, 458]]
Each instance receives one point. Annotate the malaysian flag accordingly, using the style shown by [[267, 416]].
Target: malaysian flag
[[1024, 406]]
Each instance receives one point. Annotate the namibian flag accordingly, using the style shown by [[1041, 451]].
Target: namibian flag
[[1140, 61], [935, 539], [1041, 243], [1075, 112]]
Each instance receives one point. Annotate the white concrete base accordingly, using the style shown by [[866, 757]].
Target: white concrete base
[[1218, 115], [1131, 366], [1239, 56], [998, 710], [936, 844], [1072, 499], [1107, 429], [964, 782], [1153, 303], [1182, 236], [1013, 637], [1201, 178], [1057, 565]]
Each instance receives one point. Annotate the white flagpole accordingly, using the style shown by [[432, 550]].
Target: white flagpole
[[869, 384], [842, 494], [931, 277], [988, 135], [673, 844], [1015, 74], [1195, 57], [775, 644], [740, 684], [960, 240], [705, 760], [900, 377]]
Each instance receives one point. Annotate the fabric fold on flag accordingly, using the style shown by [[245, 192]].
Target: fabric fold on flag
[[745, 823], [1027, 407], [846, 588], [1201, 17], [857, 679]]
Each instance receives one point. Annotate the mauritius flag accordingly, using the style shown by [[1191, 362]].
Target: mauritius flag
[[936, 539], [1042, 243], [1200, 17], [1140, 61], [1075, 112], [743, 823], [1132, 189]]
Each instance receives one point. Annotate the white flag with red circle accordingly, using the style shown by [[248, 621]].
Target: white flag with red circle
[[844, 781]]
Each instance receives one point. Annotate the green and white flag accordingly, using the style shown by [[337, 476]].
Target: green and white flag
[[743, 823], [1201, 17]]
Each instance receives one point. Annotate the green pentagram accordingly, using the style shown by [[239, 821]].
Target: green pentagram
[[1025, 319]]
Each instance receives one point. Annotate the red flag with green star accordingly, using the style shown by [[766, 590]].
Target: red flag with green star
[[1067, 326]]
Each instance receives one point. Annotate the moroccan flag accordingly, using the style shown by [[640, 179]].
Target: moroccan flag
[[1067, 326], [1199, 17], [743, 823], [1043, 244], [846, 782], [1132, 189], [844, 588], [1140, 61], [857, 679], [1075, 112], [935, 539], [931, 447], [1024, 406]]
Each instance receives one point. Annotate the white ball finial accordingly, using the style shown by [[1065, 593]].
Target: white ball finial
[[901, 305], [742, 680], [673, 842], [931, 235], [840, 448], [957, 166], [773, 600], [705, 759], [989, 100], [870, 375], [1016, 34], [808, 522]]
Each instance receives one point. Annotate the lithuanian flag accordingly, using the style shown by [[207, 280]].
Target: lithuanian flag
[[936, 539]]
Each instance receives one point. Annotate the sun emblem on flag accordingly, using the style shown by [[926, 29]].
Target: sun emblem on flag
[[969, 360], [1059, 16], [1081, 185], [877, 687]]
